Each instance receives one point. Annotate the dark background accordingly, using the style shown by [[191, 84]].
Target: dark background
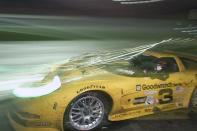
[[97, 7]]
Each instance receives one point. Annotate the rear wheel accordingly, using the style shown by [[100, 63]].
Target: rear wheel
[[89, 111]]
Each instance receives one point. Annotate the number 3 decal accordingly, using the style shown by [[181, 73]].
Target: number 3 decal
[[167, 96]]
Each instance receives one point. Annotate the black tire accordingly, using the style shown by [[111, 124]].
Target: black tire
[[103, 122], [193, 105]]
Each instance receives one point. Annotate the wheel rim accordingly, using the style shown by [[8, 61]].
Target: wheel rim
[[86, 113]]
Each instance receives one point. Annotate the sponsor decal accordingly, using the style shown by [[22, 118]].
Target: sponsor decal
[[91, 87], [147, 100], [179, 104], [133, 108], [156, 109], [55, 106], [165, 94], [138, 87], [148, 110], [169, 106], [42, 124], [180, 99], [127, 114], [180, 89], [156, 86], [152, 92], [139, 100], [150, 100]]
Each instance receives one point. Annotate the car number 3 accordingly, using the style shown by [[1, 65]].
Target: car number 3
[[167, 96]]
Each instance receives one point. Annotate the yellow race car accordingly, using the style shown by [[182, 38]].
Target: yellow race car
[[87, 92]]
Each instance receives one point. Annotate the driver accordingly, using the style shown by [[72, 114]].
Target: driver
[[160, 66]]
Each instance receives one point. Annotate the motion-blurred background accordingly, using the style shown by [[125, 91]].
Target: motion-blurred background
[[35, 34]]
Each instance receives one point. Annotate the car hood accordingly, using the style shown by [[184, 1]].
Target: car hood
[[73, 71]]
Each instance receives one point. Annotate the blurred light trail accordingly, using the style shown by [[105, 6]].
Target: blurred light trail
[[30, 60], [124, 54], [186, 28], [137, 1], [188, 31], [17, 71], [36, 92], [41, 27], [19, 81]]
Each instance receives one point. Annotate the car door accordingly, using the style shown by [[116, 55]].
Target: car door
[[175, 92], [180, 86], [140, 94], [165, 88]]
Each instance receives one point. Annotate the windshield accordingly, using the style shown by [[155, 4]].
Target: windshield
[[139, 65], [143, 65]]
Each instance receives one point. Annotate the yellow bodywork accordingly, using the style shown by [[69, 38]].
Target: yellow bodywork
[[129, 96]]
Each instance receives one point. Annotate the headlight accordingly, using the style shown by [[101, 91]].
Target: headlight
[[38, 91]]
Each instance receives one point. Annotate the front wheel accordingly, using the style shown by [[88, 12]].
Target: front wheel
[[86, 112]]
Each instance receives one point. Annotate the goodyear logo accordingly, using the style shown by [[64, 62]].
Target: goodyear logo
[[90, 88]]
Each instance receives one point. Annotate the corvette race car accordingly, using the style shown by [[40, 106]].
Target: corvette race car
[[88, 91]]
